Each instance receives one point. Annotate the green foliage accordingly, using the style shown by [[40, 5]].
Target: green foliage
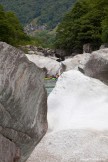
[[44, 39], [105, 30], [11, 30], [87, 22], [47, 12]]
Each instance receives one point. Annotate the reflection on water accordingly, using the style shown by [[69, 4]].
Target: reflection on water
[[49, 85]]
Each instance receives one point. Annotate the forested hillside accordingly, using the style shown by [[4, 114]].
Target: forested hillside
[[87, 22], [11, 31], [48, 12]]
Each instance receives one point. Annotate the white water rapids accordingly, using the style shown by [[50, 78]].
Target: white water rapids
[[78, 121]]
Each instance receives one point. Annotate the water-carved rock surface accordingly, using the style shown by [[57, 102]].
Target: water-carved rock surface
[[78, 121], [97, 65], [74, 62], [82, 100], [23, 102], [72, 146], [53, 66], [49, 63], [8, 150]]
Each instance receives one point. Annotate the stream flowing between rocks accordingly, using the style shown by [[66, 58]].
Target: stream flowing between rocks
[[49, 85]]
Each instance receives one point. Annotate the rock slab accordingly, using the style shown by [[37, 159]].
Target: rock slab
[[72, 146], [23, 103], [77, 117], [97, 65], [8, 150], [49, 63]]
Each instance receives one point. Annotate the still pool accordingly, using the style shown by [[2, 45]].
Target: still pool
[[49, 85]]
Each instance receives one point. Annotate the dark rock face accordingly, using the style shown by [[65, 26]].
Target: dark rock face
[[97, 65], [23, 102], [8, 151], [87, 48]]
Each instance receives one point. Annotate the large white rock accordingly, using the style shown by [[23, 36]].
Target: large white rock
[[78, 102], [53, 66], [50, 64], [78, 121], [74, 62], [72, 146]]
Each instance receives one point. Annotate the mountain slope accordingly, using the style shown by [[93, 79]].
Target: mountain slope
[[87, 22], [47, 12]]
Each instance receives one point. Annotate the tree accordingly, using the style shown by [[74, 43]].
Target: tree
[[11, 30], [87, 22], [45, 12]]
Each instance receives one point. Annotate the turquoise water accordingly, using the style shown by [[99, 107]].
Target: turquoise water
[[49, 85]]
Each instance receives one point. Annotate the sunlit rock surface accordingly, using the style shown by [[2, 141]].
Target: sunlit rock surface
[[78, 102], [78, 121], [74, 62], [72, 146], [23, 104], [53, 66], [50, 64]]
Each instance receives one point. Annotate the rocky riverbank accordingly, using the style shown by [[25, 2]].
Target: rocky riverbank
[[77, 107], [23, 105], [92, 64], [77, 113]]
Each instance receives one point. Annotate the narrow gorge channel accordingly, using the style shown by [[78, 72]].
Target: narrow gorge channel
[[49, 85]]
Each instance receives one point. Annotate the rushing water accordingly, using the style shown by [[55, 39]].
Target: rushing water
[[49, 85]]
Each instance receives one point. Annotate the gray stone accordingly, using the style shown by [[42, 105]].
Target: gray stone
[[97, 65], [8, 150], [77, 117], [87, 48], [105, 45], [50, 64], [72, 145], [31, 52], [76, 62], [23, 101]]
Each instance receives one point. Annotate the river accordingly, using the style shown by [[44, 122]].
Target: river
[[49, 85]]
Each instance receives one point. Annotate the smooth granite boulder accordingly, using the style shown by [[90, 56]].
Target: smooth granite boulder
[[49, 63], [23, 102], [97, 65], [74, 62], [53, 67], [78, 121], [8, 150], [72, 145]]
